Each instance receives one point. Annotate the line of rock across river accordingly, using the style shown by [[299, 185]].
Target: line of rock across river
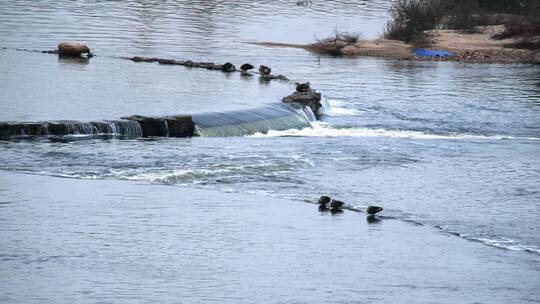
[[144, 126], [82, 51]]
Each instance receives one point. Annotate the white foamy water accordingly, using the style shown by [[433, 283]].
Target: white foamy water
[[338, 108], [320, 129]]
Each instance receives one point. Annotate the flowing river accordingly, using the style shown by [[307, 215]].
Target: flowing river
[[451, 148]]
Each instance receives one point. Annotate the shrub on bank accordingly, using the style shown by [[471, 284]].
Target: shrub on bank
[[333, 44], [527, 32], [410, 18]]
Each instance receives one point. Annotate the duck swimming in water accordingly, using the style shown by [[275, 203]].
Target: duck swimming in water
[[372, 210], [303, 87], [336, 205], [323, 203], [264, 70], [246, 67]]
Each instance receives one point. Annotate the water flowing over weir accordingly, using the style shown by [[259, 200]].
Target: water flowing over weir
[[276, 117], [123, 128]]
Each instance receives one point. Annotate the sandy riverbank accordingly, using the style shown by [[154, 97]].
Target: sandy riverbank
[[477, 47]]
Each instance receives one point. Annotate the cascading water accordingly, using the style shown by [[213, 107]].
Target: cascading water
[[246, 122], [325, 106], [273, 117], [123, 128]]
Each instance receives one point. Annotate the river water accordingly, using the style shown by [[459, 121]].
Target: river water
[[439, 144]]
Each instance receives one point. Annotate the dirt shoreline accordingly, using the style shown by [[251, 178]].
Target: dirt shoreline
[[477, 47]]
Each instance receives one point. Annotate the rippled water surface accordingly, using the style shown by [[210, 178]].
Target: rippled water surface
[[446, 145]]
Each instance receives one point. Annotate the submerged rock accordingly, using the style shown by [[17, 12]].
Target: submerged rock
[[269, 77], [73, 49], [169, 61], [143, 59]]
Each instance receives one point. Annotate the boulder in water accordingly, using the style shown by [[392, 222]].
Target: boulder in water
[[73, 49], [310, 98]]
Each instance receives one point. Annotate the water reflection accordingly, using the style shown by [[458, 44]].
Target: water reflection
[[73, 60], [373, 219]]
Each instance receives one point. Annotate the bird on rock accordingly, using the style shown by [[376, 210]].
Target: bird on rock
[[302, 87], [371, 210], [264, 70]]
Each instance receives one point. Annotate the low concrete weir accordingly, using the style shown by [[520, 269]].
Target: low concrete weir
[[246, 122], [124, 128], [277, 116], [132, 127]]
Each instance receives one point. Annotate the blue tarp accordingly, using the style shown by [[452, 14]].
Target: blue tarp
[[433, 53]]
